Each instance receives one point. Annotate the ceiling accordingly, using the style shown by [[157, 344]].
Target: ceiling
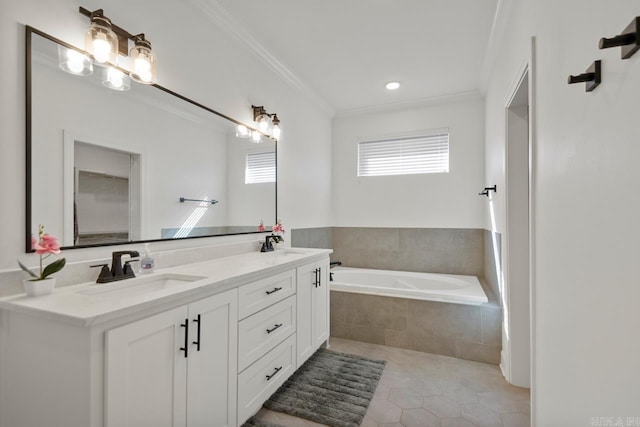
[[345, 51]]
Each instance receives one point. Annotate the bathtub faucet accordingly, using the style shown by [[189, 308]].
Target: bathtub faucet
[[331, 265]]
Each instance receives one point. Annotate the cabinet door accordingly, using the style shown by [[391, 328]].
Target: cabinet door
[[321, 306], [211, 377], [305, 286], [312, 308], [146, 372]]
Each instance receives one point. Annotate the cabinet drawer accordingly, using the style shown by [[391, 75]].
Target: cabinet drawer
[[264, 330], [263, 378], [258, 295]]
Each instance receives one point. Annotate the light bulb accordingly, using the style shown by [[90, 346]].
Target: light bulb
[[242, 132], [101, 50], [275, 132], [116, 77], [142, 68], [256, 136], [143, 60], [100, 40], [117, 80], [263, 124], [75, 61]]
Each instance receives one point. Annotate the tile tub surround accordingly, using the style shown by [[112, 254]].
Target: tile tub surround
[[425, 250], [468, 332]]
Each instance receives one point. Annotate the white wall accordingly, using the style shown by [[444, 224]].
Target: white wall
[[428, 200], [195, 58], [587, 205]]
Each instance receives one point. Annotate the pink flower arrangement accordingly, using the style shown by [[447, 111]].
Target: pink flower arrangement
[[278, 228], [261, 226], [45, 246]]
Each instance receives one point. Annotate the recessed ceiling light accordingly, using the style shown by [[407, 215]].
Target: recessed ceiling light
[[392, 85]]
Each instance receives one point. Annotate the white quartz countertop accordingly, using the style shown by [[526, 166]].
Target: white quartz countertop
[[92, 303]]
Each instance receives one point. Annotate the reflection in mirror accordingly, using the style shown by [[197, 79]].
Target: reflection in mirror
[[110, 166]]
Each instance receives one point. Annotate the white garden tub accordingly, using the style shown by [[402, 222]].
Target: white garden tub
[[402, 284]]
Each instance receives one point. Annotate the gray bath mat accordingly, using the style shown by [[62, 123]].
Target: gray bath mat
[[330, 388]]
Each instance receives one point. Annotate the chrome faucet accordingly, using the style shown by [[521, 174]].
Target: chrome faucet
[[117, 272]]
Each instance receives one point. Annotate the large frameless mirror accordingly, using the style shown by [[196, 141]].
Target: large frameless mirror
[[109, 166]]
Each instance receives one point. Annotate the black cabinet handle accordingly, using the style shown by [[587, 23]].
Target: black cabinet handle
[[315, 280], [319, 276], [197, 342], [274, 290], [274, 328], [274, 373], [185, 325]]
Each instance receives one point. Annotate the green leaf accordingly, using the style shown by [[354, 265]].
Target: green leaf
[[31, 273], [54, 267]]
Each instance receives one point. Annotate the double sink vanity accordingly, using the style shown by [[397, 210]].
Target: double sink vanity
[[202, 344]]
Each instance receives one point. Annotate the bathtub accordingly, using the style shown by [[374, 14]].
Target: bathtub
[[425, 286]]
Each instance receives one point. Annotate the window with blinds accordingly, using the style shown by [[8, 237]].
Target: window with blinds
[[404, 155], [261, 167]]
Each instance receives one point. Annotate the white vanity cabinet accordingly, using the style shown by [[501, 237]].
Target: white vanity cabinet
[[175, 368], [312, 308], [203, 353]]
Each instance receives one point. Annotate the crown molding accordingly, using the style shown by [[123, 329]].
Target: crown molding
[[498, 30], [218, 14], [411, 104]]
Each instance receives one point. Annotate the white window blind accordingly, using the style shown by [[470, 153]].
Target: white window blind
[[404, 155], [261, 167]]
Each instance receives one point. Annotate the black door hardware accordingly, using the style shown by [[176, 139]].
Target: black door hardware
[[197, 342], [274, 290], [274, 328], [185, 325], [486, 190], [274, 373]]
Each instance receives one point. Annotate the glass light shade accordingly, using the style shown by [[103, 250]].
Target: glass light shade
[[263, 124], [256, 136], [143, 62], [117, 80], [100, 41], [276, 131], [74, 62], [242, 132]]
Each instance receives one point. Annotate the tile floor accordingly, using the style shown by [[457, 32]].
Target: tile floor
[[424, 390]]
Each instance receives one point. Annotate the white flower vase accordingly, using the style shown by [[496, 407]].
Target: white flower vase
[[36, 288]]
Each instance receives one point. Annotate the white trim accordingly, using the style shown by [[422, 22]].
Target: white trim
[[217, 13], [496, 38], [69, 139], [532, 221]]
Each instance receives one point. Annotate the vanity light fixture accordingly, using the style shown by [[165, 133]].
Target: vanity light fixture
[[256, 137], [268, 123], [104, 41], [243, 132]]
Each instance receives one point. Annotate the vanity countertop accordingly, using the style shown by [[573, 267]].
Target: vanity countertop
[[88, 304]]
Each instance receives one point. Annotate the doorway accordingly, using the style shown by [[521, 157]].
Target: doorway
[[518, 234]]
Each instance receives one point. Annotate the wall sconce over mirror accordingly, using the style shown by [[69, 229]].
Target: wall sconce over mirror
[[268, 125], [106, 44]]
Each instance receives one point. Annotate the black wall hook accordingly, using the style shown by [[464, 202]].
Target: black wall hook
[[486, 190], [629, 39], [592, 77]]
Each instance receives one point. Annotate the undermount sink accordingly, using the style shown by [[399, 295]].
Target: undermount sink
[[290, 251], [140, 285]]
